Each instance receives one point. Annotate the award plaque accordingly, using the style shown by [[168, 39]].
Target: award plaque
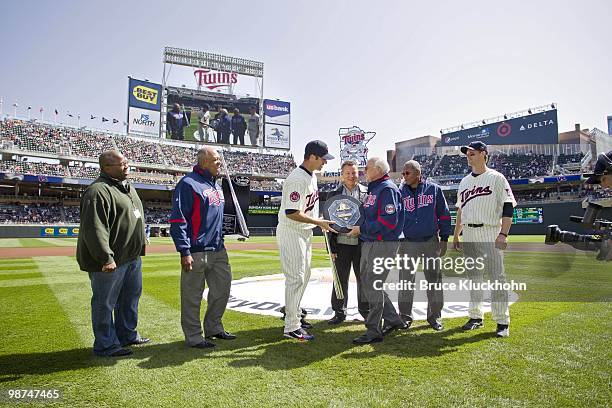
[[345, 211]]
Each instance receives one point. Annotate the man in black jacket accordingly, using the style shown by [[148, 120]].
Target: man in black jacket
[[345, 250], [239, 127]]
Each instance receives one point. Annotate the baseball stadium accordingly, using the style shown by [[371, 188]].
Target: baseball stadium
[[558, 352]]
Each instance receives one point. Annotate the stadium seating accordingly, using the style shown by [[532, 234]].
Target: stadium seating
[[452, 165], [515, 166], [17, 213], [26, 167]]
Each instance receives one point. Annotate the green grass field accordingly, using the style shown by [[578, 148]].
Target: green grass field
[[558, 353]]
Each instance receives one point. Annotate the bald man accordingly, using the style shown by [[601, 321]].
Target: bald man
[[110, 244], [196, 227]]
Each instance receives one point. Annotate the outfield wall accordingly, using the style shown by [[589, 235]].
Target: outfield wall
[[553, 213]]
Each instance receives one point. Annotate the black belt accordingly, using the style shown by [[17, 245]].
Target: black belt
[[475, 225]]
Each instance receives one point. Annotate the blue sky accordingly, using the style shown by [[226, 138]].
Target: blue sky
[[403, 69]]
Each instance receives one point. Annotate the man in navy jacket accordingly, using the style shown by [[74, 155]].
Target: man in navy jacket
[[380, 232], [427, 226], [196, 227]]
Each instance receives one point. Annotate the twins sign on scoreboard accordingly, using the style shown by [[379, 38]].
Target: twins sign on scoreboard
[[353, 144], [144, 108], [277, 124]]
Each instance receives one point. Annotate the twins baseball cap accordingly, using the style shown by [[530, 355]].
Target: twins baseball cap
[[603, 166], [319, 149], [475, 145]]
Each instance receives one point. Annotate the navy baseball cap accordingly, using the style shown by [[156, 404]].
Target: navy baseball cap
[[603, 166], [319, 149], [475, 145]]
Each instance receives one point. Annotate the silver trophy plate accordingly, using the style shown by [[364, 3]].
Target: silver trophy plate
[[345, 211]]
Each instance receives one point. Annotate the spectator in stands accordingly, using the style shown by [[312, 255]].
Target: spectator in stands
[[253, 126], [224, 127], [110, 244], [239, 127], [176, 122]]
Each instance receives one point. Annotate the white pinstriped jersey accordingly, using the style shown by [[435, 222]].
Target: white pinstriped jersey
[[482, 198], [300, 192]]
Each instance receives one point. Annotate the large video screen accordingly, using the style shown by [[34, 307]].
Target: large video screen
[[524, 215], [538, 128], [193, 103]]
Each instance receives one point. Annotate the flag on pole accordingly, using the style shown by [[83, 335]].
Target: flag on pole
[[29, 107], [15, 105], [92, 117], [115, 121], [104, 119], [69, 114], [41, 110], [56, 112]]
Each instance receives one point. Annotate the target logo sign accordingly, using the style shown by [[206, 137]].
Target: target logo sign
[[504, 129]]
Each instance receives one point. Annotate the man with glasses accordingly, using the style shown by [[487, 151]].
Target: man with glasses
[[427, 226], [110, 244]]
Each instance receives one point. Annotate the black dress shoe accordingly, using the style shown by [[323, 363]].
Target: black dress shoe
[[391, 328], [305, 324], [222, 336], [204, 345], [120, 352], [137, 342], [436, 325], [337, 319], [367, 339]]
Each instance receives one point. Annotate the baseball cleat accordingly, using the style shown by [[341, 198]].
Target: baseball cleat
[[502, 330], [299, 334], [473, 324]]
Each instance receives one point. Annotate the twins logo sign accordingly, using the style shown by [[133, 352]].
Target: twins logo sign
[[353, 144]]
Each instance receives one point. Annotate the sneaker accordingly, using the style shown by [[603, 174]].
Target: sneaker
[[473, 324], [502, 330], [299, 334]]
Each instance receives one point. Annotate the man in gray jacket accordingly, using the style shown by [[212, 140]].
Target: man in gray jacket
[[345, 250]]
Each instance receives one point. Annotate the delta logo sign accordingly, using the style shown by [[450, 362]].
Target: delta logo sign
[[212, 79], [145, 94]]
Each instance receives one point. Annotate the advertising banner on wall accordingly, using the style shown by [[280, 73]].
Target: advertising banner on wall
[[59, 232], [277, 122], [143, 122], [276, 136], [144, 107], [277, 112], [538, 128]]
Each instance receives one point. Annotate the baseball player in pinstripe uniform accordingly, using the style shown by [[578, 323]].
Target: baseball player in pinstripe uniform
[[298, 215], [485, 205]]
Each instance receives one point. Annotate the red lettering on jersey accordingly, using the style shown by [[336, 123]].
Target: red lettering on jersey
[[423, 201], [311, 200], [476, 191], [370, 200], [215, 197]]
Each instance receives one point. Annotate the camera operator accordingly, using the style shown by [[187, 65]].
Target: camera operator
[[601, 238]]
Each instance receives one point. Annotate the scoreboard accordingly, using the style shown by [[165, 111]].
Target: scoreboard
[[525, 215]]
